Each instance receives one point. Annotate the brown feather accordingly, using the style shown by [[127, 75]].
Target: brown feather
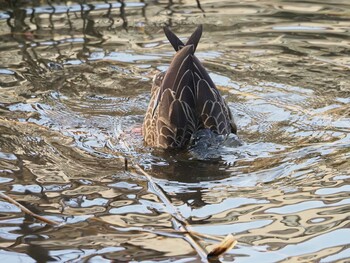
[[184, 99]]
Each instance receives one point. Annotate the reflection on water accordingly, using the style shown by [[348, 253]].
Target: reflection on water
[[75, 83]]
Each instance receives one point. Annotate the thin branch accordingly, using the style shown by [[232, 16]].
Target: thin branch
[[26, 210], [178, 221], [228, 243]]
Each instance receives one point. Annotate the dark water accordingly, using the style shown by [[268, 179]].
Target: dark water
[[75, 82]]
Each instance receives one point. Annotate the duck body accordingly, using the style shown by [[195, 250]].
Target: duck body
[[184, 100]]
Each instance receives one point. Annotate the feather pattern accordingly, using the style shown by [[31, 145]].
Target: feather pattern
[[184, 99]]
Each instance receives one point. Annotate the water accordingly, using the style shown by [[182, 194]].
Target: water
[[74, 86]]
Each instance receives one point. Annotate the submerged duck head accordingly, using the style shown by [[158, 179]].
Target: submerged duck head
[[184, 100]]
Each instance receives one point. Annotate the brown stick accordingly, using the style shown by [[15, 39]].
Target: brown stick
[[177, 219], [228, 243], [27, 211]]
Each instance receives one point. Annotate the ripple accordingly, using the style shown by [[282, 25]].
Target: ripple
[[345, 254], [313, 245], [8, 208], [231, 228], [332, 191], [295, 208], [6, 71], [75, 82]]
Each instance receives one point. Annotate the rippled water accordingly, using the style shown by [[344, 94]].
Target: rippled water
[[75, 83]]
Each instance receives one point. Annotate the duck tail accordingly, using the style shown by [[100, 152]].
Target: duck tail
[[195, 37], [178, 44]]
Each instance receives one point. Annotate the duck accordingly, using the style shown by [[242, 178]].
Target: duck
[[184, 100]]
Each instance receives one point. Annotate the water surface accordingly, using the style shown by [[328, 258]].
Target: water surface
[[75, 83]]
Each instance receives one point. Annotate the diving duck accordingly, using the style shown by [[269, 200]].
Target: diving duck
[[184, 100]]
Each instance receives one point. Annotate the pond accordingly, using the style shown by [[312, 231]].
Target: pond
[[75, 81]]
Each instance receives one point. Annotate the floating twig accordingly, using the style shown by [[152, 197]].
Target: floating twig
[[179, 222], [177, 219], [125, 164], [228, 243], [27, 211]]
